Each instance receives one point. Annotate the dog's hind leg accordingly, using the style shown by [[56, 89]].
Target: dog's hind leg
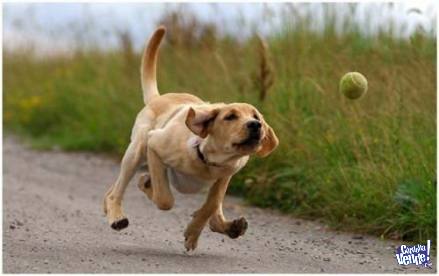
[[144, 183], [114, 196], [233, 229]]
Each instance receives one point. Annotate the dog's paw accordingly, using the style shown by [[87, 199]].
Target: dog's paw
[[191, 242], [191, 239], [237, 228], [120, 224]]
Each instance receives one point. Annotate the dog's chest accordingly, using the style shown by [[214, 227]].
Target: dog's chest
[[185, 183]]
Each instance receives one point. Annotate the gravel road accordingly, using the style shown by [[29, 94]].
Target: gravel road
[[53, 222]]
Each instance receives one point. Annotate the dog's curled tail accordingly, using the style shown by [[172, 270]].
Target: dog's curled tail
[[149, 65]]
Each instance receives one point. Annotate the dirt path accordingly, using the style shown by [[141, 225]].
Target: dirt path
[[53, 222]]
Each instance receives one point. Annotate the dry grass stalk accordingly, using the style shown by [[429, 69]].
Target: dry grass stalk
[[265, 76]]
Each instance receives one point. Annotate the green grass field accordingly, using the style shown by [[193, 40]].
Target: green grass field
[[367, 166]]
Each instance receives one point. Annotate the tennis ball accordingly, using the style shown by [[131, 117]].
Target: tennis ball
[[353, 85]]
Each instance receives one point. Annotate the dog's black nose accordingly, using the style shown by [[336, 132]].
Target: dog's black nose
[[254, 125]]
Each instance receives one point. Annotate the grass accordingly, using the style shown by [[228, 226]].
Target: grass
[[367, 166]]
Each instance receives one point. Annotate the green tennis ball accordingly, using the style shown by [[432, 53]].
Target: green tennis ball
[[353, 85]]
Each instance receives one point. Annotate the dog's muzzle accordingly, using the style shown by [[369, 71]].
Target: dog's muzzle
[[254, 134]]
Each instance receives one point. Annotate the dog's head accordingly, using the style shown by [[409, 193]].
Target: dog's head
[[235, 129]]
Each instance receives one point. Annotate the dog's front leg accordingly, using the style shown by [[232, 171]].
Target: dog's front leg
[[202, 215], [233, 229], [161, 192]]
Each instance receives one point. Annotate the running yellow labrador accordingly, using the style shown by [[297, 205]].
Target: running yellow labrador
[[179, 139]]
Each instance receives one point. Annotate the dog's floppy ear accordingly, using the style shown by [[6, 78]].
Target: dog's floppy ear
[[198, 121], [269, 142]]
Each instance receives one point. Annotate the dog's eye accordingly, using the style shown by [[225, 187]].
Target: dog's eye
[[230, 117], [256, 117]]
